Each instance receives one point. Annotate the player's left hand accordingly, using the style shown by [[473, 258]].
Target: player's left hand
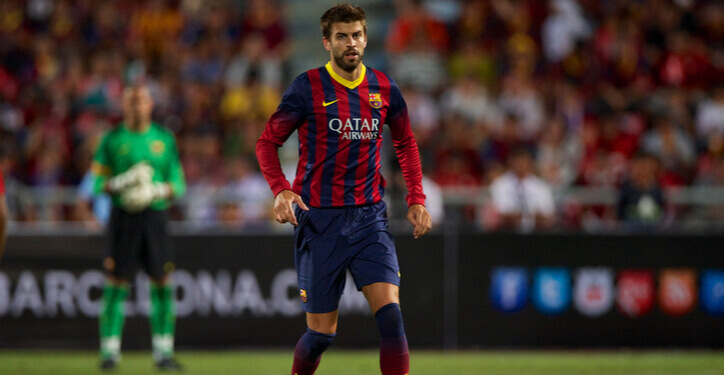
[[139, 173], [139, 197], [420, 218], [283, 211]]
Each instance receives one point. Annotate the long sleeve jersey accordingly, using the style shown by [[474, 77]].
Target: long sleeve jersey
[[121, 148], [339, 124]]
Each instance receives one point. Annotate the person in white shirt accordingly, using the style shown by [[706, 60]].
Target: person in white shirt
[[523, 201]]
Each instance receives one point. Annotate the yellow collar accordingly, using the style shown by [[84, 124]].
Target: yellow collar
[[343, 81]]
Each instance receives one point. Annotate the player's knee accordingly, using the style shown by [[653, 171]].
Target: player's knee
[[324, 323], [323, 327], [390, 321], [117, 280], [318, 342], [380, 295], [163, 280]]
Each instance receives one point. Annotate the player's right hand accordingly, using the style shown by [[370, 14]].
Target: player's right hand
[[138, 198], [283, 211], [420, 218], [139, 173]]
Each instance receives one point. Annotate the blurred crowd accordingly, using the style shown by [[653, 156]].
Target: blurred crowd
[[617, 94], [582, 87]]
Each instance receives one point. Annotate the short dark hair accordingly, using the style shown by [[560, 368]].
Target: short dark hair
[[521, 152], [343, 13]]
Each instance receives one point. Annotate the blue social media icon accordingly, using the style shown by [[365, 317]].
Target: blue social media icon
[[551, 290], [509, 289], [711, 292]]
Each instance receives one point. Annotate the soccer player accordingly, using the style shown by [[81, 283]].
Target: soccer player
[[138, 164], [340, 221]]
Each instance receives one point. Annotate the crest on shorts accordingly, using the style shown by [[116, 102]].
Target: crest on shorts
[[303, 295], [375, 100]]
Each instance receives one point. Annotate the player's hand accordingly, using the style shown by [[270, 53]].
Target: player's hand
[[139, 173], [283, 211], [139, 197], [420, 218]]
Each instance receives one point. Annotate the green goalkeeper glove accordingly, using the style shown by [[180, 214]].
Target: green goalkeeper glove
[[138, 198], [139, 173]]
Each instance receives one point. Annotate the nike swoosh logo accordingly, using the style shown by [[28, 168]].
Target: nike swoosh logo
[[325, 104]]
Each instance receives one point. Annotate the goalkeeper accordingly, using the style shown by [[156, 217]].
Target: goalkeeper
[[138, 164]]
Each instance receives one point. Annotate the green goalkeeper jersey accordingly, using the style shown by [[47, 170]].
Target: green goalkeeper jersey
[[121, 148]]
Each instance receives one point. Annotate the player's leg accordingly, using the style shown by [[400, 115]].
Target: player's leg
[[321, 329], [119, 265], [158, 262], [321, 279], [385, 304], [163, 322], [376, 273], [111, 319]]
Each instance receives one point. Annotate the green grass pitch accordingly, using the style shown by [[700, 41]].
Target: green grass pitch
[[350, 362]]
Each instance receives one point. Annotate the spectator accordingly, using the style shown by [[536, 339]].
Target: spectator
[[417, 43], [154, 25], [674, 149], [246, 189], [523, 201], [424, 119], [641, 202], [206, 65], [710, 116], [562, 29], [254, 63], [558, 155], [520, 98], [471, 101]]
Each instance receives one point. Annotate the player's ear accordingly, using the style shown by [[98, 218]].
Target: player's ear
[[326, 43]]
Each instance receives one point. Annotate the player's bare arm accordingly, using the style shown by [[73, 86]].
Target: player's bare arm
[[420, 218], [283, 211]]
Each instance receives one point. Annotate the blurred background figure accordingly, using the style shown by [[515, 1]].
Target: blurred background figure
[[641, 202], [245, 195], [523, 201]]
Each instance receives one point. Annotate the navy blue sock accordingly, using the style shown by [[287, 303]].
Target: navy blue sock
[[308, 351], [394, 356]]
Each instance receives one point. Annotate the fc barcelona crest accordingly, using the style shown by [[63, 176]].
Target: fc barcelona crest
[[157, 147], [375, 100]]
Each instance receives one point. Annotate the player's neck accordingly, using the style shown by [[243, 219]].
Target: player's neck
[[350, 76], [140, 127]]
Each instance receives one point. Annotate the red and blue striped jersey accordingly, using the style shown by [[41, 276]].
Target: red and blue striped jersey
[[339, 123]]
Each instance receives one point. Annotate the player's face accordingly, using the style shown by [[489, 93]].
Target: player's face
[[346, 44], [137, 105]]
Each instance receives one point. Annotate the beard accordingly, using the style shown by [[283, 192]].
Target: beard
[[347, 65]]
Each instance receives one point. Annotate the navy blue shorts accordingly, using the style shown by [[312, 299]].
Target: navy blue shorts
[[329, 241]]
